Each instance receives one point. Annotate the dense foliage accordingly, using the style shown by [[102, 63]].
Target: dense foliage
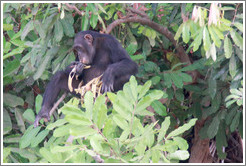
[[151, 119]]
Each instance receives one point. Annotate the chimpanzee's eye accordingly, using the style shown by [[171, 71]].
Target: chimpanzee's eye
[[75, 52]]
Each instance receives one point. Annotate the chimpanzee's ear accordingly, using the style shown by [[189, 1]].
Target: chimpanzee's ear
[[89, 38]]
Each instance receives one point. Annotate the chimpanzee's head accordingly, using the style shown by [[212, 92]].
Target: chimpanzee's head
[[83, 48]]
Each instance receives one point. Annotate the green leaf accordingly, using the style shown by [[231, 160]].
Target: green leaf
[[155, 154], [95, 143], [213, 127], [29, 115], [120, 109], [144, 89], [121, 122], [239, 26], [7, 124], [179, 155], [176, 80], [59, 149], [57, 123], [63, 130], [182, 129], [47, 154], [159, 108], [185, 77], [146, 47], [198, 40], [228, 47], [232, 66], [206, 39], [186, 32], [179, 31], [39, 138], [102, 22], [7, 27], [67, 26], [235, 122], [11, 67], [88, 100], [58, 31], [237, 39], [39, 27], [122, 98], [214, 36], [181, 142], [101, 116], [27, 138], [18, 50], [94, 20], [101, 8], [155, 94], [212, 87], [128, 93], [25, 154], [12, 100], [155, 80], [85, 21], [132, 48], [164, 127], [179, 94], [140, 148], [218, 32], [167, 79], [52, 51], [18, 42], [38, 103], [124, 135], [78, 120], [133, 85], [20, 120], [82, 131], [221, 135], [29, 26]]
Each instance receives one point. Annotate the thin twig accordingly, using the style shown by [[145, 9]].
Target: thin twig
[[57, 103], [72, 7]]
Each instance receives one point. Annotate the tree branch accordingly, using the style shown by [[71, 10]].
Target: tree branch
[[140, 13], [163, 30]]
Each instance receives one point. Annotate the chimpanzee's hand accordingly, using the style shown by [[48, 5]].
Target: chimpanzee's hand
[[41, 114], [79, 68], [107, 81]]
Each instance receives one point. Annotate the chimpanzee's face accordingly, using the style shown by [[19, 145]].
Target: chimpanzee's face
[[83, 48]]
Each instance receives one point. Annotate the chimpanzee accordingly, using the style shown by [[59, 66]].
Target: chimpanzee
[[104, 54]]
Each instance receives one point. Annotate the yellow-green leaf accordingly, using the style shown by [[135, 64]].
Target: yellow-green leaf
[[179, 31], [214, 37], [186, 32], [237, 39], [239, 26], [206, 39], [197, 41], [227, 47], [218, 32]]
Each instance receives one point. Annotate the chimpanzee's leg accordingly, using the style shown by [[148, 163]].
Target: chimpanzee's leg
[[57, 83]]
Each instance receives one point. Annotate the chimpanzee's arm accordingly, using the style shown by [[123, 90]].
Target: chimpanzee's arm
[[57, 83], [121, 70]]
